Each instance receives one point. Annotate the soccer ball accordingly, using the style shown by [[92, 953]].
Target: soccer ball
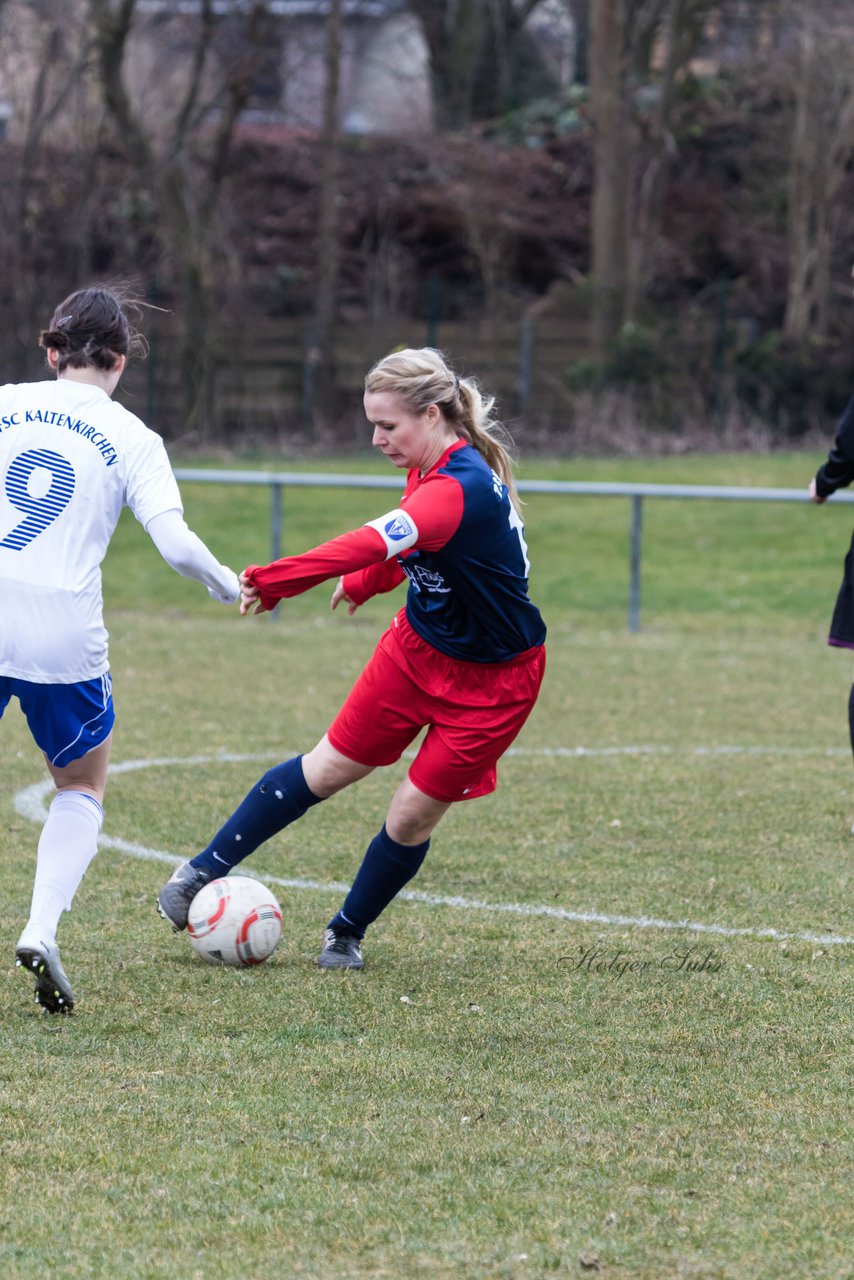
[[235, 920]]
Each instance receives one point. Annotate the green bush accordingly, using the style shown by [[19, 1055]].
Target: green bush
[[637, 359], [790, 386]]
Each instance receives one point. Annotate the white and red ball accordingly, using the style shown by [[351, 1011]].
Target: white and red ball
[[235, 921]]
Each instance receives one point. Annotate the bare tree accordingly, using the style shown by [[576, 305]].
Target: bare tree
[[508, 48], [821, 154], [580, 10], [182, 153], [454, 34], [676, 25], [321, 356], [46, 57], [633, 147], [612, 162], [474, 48]]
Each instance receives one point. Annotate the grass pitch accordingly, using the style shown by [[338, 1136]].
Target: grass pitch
[[608, 1033]]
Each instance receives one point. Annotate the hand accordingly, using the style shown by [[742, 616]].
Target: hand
[[814, 494], [340, 594], [249, 596]]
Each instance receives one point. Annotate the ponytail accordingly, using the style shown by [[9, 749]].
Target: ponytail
[[486, 433]]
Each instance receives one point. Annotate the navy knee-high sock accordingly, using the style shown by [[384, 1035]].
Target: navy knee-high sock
[[386, 867], [276, 800], [851, 716]]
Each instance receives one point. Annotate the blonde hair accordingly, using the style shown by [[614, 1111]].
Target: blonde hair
[[422, 376]]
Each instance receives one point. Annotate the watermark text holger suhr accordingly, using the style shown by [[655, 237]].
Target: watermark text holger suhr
[[616, 964]]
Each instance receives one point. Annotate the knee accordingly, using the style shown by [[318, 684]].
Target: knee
[[413, 815], [327, 770], [409, 827], [273, 783], [411, 823]]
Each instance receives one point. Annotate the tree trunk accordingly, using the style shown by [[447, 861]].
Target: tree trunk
[[684, 26], [475, 47], [187, 185], [59, 71], [822, 150], [581, 18], [454, 32], [609, 215], [321, 355], [802, 194], [197, 331]]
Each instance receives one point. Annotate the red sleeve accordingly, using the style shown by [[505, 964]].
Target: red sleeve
[[364, 583], [436, 507], [295, 574]]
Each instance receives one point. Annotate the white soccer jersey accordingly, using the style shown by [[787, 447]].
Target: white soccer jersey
[[70, 459]]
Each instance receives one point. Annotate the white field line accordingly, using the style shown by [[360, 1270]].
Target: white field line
[[29, 804]]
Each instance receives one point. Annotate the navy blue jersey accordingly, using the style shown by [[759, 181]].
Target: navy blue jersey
[[468, 596]]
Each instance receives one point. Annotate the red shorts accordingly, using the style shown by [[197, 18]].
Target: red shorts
[[472, 711]]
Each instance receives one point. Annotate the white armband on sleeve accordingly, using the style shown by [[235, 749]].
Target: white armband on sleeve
[[397, 530], [184, 552]]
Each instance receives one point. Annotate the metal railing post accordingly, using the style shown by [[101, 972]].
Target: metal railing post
[[275, 527], [635, 563], [275, 521]]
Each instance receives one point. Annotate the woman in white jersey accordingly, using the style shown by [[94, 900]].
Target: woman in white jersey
[[70, 460]]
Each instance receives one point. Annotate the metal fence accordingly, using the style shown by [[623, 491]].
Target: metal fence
[[263, 382], [278, 481]]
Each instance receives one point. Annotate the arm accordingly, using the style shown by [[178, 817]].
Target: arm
[[838, 470], [377, 578], [294, 574], [433, 512], [184, 552]]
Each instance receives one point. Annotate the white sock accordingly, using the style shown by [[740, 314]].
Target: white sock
[[68, 843]]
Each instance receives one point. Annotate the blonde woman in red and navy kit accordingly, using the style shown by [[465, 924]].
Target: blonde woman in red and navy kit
[[464, 658]]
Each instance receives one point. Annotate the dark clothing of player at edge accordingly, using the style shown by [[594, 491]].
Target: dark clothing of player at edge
[[836, 473]]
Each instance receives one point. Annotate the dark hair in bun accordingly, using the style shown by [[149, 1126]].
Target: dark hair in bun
[[91, 327]]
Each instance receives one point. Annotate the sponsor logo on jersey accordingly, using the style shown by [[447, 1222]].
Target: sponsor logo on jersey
[[398, 529], [424, 579]]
